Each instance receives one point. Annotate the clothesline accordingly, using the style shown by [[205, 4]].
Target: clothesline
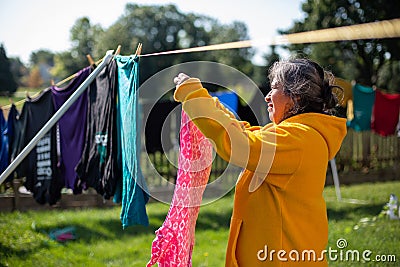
[[55, 118], [373, 30], [63, 158], [117, 51]]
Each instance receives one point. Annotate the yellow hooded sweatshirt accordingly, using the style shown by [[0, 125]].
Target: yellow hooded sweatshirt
[[279, 214]]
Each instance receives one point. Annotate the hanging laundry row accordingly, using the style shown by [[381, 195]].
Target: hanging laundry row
[[370, 108], [89, 146]]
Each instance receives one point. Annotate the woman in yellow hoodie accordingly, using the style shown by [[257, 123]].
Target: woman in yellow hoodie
[[279, 215]]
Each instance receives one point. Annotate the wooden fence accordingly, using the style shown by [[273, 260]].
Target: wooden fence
[[363, 157], [15, 200], [366, 150]]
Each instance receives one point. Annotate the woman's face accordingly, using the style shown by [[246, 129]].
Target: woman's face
[[279, 104]]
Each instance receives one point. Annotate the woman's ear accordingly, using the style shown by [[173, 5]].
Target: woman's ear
[[290, 104]]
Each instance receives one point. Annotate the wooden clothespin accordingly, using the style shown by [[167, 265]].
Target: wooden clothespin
[[118, 50], [11, 101], [138, 49], [90, 59], [52, 83], [27, 94]]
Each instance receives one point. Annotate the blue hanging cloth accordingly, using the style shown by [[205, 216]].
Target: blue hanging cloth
[[134, 191], [363, 102], [3, 143], [229, 99]]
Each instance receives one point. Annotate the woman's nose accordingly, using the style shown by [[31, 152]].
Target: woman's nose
[[268, 97]]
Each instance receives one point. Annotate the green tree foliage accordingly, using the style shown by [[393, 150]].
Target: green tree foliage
[[64, 65], [361, 60], [389, 76], [165, 28], [41, 62], [8, 85], [35, 79], [159, 28], [83, 38], [42, 56], [270, 59], [19, 71]]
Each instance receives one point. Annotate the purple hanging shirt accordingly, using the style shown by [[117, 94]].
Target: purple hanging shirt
[[72, 127]]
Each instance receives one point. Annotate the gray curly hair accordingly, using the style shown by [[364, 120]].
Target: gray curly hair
[[307, 84]]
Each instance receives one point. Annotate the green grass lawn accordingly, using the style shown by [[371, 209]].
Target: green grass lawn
[[101, 241]]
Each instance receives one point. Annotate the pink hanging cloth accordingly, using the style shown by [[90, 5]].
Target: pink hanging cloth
[[174, 240]]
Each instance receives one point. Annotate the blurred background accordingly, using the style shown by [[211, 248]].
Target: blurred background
[[48, 40], [43, 42]]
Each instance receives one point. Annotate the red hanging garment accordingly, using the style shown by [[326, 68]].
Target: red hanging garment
[[385, 114]]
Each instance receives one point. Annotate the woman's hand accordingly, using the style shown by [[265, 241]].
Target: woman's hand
[[182, 77], [185, 85]]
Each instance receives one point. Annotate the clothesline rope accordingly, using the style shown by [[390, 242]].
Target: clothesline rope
[[373, 30], [22, 101]]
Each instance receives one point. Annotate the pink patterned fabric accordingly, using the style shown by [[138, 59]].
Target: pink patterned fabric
[[174, 240]]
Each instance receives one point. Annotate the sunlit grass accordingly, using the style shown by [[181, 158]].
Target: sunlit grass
[[101, 241]]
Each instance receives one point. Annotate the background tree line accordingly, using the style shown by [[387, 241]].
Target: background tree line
[[164, 28], [370, 62]]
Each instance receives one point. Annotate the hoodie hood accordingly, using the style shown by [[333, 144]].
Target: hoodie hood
[[332, 129]]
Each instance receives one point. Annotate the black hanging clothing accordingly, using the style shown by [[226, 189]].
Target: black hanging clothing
[[40, 166], [13, 132], [3, 143], [157, 125], [14, 129], [98, 166]]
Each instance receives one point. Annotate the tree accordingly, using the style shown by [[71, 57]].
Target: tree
[[360, 60], [8, 85], [271, 58], [389, 76], [19, 71], [165, 28], [64, 65], [42, 56], [43, 60], [35, 79], [83, 38]]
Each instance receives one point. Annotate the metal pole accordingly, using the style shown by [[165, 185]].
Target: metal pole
[[335, 179], [55, 117]]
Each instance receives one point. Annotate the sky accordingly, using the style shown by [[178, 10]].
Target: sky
[[28, 26]]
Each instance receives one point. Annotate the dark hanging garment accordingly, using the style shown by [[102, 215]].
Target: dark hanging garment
[[3, 143], [71, 126], [158, 125], [40, 166], [13, 129], [98, 166], [13, 133]]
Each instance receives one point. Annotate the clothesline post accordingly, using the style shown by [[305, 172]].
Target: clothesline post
[[53, 120], [335, 179]]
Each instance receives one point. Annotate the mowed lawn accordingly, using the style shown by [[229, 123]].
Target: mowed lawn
[[354, 225]]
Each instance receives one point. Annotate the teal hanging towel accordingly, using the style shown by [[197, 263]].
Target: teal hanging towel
[[134, 191]]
